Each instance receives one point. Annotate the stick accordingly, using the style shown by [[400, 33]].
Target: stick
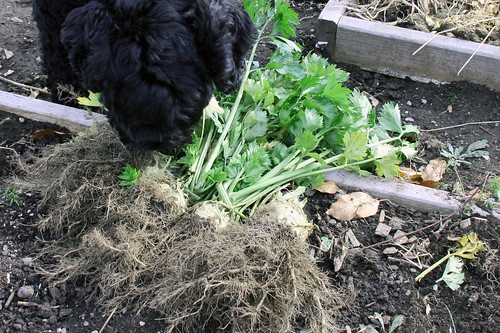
[[477, 49], [24, 86], [107, 320], [462, 125], [427, 227]]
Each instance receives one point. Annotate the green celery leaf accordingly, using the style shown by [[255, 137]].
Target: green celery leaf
[[387, 166], [390, 118], [255, 124], [337, 93], [284, 19], [129, 176], [355, 146], [307, 142], [217, 175], [93, 100]]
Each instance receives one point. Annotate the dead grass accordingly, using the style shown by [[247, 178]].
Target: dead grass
[[474, 20], [143, 248]]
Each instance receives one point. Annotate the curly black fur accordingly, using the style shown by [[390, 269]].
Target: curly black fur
[[155, 62]]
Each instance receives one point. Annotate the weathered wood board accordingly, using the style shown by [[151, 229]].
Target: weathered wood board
[[382, 47], [73, 119]]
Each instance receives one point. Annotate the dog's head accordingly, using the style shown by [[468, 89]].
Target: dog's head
[[224, 34], [154, 67]]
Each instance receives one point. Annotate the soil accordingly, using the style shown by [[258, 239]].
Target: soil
[[380, 279]]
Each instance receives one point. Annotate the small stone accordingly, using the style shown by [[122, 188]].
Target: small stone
[[8, 54], [63, 330], [65, 313], [390, 250], [402, 240], [95, 331], [44, 311], [18, 327], [396, 223], [382, 230], [409, 120], [141, 323], [54, 293], [86, 323], [26, 292], [28, 261], [424, 101], [393, 267], [52, 320], [409, 103], [21, 120], [464, 224]]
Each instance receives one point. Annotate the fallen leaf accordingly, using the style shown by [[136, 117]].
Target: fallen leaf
[[435, 170], [328, 187], [429, 183], [354, 205], [46, 133], [408, 173]]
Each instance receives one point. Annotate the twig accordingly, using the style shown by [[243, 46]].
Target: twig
[[107, 320], [24, 86], [477, 50], [485, 130], [427, 227], [9, 300], [462, 125]]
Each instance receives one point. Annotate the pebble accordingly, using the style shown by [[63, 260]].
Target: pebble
[[409, 103], [63, 330], [382, 230], [141, 323], [390, 250], [424, 101], [402, 240], [86, 323], [28, 261], [409, 120], [26, 292], [396, 223], [464, 224], [44, 311], [65, 313]]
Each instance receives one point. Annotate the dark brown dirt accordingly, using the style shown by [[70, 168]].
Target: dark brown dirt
[[380, 283]]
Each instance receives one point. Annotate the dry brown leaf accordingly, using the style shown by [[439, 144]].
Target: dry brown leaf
[[434, 170], [408, 174], [46, 133], [353, 206], [328, 187], [428, 183]]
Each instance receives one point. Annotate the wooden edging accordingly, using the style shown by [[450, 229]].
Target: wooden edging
[[413, 196], [73, 119], [384, 48]]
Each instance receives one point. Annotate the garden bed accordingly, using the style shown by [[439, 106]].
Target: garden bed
[[389, 49]]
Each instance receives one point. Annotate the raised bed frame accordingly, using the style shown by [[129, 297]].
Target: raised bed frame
[[385, 48]]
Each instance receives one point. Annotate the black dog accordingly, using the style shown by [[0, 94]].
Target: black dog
[[155, 62]]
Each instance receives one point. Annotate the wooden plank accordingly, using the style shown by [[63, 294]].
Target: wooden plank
[[413, 196], [326, 29], [73, 119], [379, 47]]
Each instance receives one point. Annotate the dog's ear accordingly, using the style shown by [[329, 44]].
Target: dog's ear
[[85, 36], [224, 34]]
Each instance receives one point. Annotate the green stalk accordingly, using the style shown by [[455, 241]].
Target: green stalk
[[258, 190], [234, 110]]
